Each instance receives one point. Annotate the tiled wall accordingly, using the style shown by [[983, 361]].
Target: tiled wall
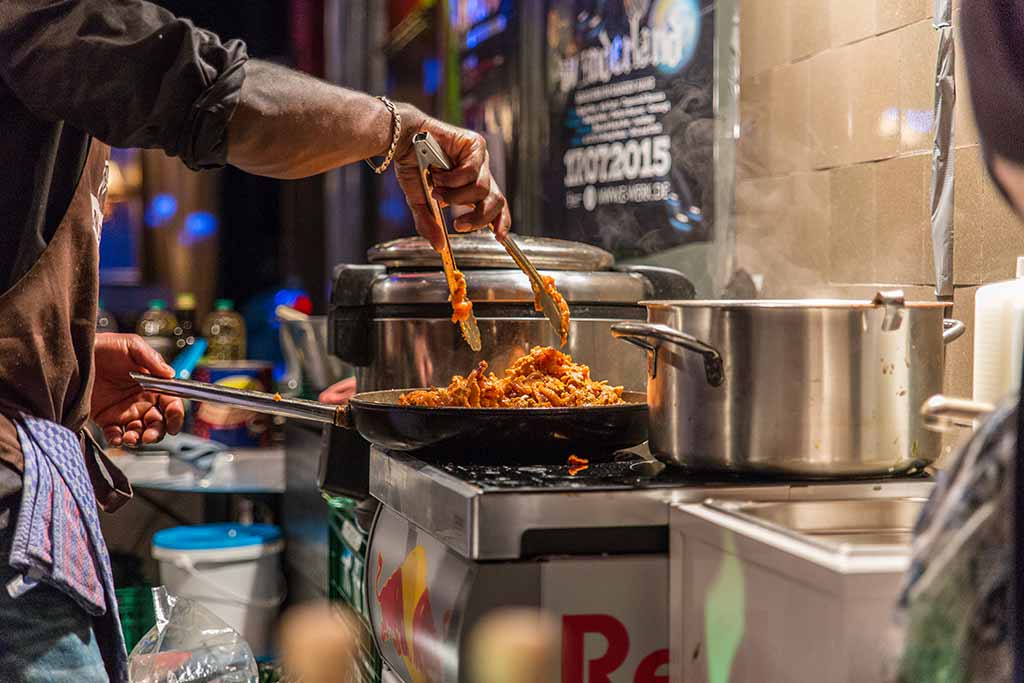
[[833, 161]]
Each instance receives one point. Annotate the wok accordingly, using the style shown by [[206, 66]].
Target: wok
[[524, 436]]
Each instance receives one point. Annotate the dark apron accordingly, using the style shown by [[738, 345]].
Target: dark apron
[[47, 338], [48, 330]]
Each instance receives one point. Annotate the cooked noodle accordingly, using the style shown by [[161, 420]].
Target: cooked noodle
[[461, 305], [563, 307], [542, 379]]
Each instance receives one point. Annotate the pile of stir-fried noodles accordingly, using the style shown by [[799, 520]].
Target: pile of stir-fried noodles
[[543, 378]]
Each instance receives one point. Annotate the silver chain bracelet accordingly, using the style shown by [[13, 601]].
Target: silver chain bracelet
[[394, 140]]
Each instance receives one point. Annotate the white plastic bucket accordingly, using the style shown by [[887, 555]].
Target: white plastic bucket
[[234, 570]]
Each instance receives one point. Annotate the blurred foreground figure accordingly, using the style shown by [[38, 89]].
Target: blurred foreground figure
[[319, 644], [515, 645]]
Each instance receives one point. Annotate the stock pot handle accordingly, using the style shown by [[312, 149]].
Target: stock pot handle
[[650, 336], [952, 330]]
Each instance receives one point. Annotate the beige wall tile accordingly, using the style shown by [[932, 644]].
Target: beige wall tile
[[853, 215], [969, 207], [811, 217], [868, 290], [753, 150], [761, 232], [808, 27], [782, 232], [988, 235], [852, 20], [903, 218], [959, 354], [965, 128], [874, 98], [829, 132], [893, 14], [788, 140], [764, 35], [1003, 238], [751, 60], [917, 45]]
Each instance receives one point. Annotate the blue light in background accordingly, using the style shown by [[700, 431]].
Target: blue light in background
[[486, 30], [393, 209], [199, 225], [431, 75], [161, 209], [287, 296]]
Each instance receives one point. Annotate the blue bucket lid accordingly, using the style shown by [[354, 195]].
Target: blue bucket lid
[[216, 536]]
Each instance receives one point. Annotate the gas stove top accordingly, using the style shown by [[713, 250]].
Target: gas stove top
[[485, 512], [631, 470]]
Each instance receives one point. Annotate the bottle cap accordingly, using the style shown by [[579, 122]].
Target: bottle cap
[[158, 304], [224, 304], [1020, 266], [185, 301]]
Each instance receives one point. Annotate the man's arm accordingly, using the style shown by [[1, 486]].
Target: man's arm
[[290, 125], [134, 75], [125, 71]]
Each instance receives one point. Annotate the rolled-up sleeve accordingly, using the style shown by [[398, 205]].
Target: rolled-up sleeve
[[126, 71]]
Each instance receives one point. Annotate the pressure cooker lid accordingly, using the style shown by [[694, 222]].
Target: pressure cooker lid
[[480, 250]]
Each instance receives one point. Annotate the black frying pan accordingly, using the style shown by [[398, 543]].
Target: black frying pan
[[466, 435]]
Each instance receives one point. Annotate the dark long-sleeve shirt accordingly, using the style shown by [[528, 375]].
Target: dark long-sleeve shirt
[[124, 71]]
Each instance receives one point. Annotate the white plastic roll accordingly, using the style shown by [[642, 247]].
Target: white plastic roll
[[998, 338]]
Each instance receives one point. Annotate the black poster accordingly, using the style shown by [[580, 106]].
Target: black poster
[[630, 90]]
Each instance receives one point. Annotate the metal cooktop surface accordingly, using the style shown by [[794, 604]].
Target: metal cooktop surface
[[486, 512]]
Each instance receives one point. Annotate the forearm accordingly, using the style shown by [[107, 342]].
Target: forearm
[[290, 125]]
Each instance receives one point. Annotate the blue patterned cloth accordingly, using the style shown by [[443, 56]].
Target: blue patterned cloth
[[57, 539]]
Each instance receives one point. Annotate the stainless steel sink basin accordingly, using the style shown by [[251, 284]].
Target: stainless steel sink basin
[[869, 522]]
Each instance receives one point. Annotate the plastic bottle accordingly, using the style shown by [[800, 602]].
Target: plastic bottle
[[185, 313], [998, 337], [105, 322], [224, 330], [156, 326]]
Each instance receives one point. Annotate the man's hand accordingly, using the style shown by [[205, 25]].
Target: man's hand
[[339, 393], [125, 412], [468, 183]]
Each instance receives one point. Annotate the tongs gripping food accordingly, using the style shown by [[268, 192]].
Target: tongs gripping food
[[429, 154]]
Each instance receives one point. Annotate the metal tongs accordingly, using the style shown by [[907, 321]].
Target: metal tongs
[[429, 154]]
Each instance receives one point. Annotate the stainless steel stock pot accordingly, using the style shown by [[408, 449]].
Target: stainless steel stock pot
[[807, 388]]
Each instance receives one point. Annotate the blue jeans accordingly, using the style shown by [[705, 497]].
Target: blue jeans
[[45, 637]]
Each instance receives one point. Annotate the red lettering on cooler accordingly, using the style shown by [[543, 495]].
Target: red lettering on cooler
[[574, 630], [647, 672]]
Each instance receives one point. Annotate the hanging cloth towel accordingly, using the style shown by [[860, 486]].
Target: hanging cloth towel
[[57, 539]]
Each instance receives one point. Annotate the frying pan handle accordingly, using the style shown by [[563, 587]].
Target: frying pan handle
[[641, 334]]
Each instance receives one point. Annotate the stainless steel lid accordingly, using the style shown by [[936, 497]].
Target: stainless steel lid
[[502, 286], [480, 250]]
